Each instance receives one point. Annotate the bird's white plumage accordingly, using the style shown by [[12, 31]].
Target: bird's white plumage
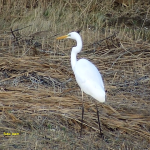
[[89, 79], [87, 75]]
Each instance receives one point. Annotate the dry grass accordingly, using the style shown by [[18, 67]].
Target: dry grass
[[39, 97]]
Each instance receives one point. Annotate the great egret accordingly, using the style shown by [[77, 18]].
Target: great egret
[[87, 75]]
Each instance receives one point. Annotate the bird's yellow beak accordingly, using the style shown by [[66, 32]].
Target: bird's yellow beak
[[62, 37]]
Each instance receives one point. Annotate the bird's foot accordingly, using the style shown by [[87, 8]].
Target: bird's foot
[[101, 135]]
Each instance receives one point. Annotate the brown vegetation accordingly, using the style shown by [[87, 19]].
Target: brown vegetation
[[39, 97]]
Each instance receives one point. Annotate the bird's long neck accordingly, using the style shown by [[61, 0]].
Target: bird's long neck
[[75, 51]]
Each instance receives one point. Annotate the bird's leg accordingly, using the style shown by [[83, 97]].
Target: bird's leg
[[82, 115], [99, 121]]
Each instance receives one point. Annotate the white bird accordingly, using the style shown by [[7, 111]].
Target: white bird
[[87, 75]]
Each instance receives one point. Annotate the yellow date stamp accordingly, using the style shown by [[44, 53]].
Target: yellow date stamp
[[8, 134]]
